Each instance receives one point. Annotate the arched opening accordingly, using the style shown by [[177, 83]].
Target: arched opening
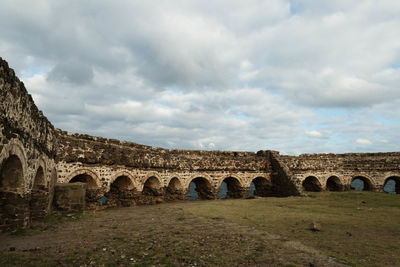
[[312, 184], [230, 188], [122, 192], [392, 185], [121, 184], [93, 192], [11, 175], [200, 188], [261, 187], [39, 196], [14, 209], [39, 181], [334, 184], [87, 179], [152, 187], [360, 183], [174, 190]]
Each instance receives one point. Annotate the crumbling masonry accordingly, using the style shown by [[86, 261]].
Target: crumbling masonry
[[37, 160]]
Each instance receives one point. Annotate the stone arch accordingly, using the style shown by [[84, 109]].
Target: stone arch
[[174, 185], [361, 183], [230, 187], [14, 203], [152, 186], [39, 181], [260, 186], [334, 184], [312, 184], [395, 180], [12, 174], [201, 189], [123, 181], [174, 190], [39, 202], [85, 176], [13, 167]]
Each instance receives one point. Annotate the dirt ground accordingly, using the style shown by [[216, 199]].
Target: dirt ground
[[158, 235]]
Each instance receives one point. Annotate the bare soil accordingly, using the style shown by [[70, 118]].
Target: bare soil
[[157, 235]]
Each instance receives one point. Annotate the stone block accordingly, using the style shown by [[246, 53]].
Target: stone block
[[70, 197]]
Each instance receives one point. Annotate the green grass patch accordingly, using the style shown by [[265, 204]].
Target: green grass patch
[[361, 228]]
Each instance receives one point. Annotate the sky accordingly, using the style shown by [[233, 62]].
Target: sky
[[296, 76]]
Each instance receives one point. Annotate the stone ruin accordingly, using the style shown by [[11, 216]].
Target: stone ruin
[[43, 168]]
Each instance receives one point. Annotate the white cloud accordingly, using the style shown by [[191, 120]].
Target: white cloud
[[314, 134], [214, 75], [363, 141]]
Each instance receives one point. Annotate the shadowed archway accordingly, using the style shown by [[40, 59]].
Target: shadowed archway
[[200, 188], [230, 188], [93, 191], [334, 184], [361, 183], [11, 174], [14, 206], [122, 183], [260, 186], [39, 196], [152, 187], [174, 190], [312, 184], [87, 179], [392, 185], [122, 192]]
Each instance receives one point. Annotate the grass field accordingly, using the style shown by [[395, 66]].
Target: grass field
[[357, 229], [361, 228]]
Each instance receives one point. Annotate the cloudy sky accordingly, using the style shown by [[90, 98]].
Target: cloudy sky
[[297, 76]]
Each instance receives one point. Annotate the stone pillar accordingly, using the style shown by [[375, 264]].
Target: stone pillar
[[14, 211]]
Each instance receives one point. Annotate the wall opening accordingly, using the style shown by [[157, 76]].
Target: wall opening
[[392, 185], [39, 202], [200, 188], [260, 186], [334, 184], [312, 184], [360, 183], [174, 190], [87, 179], [174, 186], [14, 206], [230, 188], [11, 175], [39, 181], [121, 184], [122, 192], [152, 187]]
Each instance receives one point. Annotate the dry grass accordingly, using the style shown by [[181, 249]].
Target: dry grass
[[361, 228], [259, 232]]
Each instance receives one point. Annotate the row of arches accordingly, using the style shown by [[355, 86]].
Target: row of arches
[[24, 189], [198, 187], [358, 183]]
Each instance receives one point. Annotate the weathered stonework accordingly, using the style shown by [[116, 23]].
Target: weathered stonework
[[27, 147], [96, 172]]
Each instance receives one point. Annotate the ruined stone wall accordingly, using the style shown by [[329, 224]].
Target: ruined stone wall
[[374, 167], [34, 156], [104, 160], [27, 151], [96, 150]]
